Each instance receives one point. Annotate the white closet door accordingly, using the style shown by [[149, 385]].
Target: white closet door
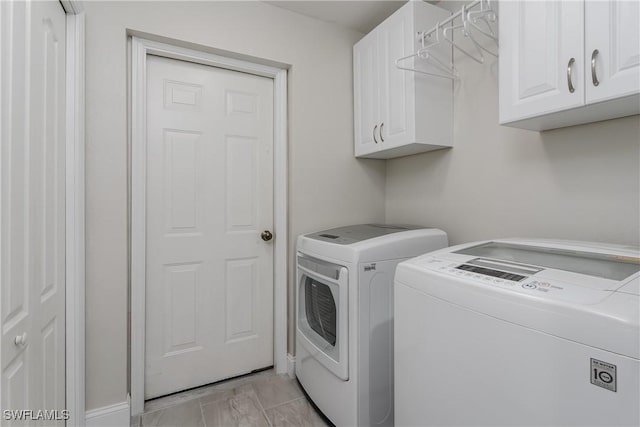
[[32, 213], [209, 282], [539, 41], [613, 29]]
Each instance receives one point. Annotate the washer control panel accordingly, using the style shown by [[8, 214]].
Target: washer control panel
[[491, 272], [530, 284]]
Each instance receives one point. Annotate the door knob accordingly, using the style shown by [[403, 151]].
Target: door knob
[[21, 340], [266, 235]]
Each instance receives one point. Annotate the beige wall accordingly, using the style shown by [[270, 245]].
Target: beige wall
[[581, 182], [327, 186]]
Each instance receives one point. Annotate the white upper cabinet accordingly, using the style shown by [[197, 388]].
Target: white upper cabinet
[[398, 112], [541, 41], [366, 94], [567, 62], [396, 86], [612, 40]]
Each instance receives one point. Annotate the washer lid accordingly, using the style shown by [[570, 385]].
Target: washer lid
[[357, 233]]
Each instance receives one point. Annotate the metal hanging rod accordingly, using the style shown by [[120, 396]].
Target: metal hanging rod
[[424, 34], [443, 32]]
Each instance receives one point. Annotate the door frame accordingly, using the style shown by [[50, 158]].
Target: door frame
[[140, 49], [75, 213]]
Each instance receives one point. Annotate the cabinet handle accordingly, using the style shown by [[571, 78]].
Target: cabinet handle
[[374, 133], [569, 69], [594, 77], [381, 138]]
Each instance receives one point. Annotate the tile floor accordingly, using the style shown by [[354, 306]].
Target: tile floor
[[260, 399]]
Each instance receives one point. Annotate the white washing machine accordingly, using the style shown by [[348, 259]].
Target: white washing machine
[[519, 332], [344, 320]]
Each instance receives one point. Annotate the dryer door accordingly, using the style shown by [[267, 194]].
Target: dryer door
[[323, 312]]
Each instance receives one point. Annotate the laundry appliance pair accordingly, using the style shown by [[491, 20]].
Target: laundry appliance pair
[[500, 332]]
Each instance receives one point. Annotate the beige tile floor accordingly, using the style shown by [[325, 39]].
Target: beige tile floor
[[260, 399]]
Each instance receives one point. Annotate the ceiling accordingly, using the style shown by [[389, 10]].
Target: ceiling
[[359, 15]]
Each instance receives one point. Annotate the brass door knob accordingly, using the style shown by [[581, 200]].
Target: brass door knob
[[266, 235]]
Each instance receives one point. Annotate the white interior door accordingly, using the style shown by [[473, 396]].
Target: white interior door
[[32, 213], [209, 280]]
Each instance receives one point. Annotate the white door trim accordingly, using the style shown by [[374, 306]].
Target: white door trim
[[75, 207], [140, 48]]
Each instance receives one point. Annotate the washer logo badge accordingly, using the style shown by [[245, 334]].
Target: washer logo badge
[[603, 374]]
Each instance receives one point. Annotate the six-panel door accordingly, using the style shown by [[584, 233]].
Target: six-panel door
[[209, 275]]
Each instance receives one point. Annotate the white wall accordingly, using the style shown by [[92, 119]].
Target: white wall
[[328, 187], [580, 182]]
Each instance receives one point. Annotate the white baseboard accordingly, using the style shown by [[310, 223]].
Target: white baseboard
[[291, 365], [117, 415]]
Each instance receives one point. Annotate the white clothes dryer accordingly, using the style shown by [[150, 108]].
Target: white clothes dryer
[[519, 332], [344, 316]]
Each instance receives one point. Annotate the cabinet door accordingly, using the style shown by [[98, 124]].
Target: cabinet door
[[538, 40], [395, 40], [612, 28], [366, 94]]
